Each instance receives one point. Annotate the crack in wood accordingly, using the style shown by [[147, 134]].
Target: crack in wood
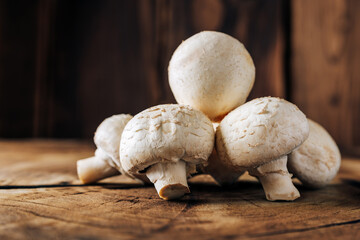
[[303, 229], [87, 224], [36, 203], [133, 200], [251, 202], [106, 185], [170, 223]]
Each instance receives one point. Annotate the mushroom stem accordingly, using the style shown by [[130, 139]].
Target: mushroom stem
[[169, 179], [276, 180], [93, 169], [224, 175]]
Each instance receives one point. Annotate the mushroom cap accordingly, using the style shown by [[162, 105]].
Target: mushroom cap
[[108, 136], [260, 131], [317, 161], [166, 133], [212, 72]]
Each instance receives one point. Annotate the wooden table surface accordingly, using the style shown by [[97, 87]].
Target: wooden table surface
[[41, 198]]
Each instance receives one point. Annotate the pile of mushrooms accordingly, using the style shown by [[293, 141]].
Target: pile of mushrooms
[[213, 131]]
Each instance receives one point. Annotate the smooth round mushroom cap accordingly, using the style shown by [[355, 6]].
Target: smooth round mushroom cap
[[108, 136], [212, 72], [317, 161], [166, 133], [260, 131]]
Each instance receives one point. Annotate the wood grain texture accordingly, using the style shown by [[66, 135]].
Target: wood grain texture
[[103, 63], [66, 65], [325, 59], [43, 109], [18, 23], [41, 198]]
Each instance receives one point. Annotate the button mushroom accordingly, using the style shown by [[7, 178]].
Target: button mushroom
[[316, 162], [223, 174], [106, 161], [212, 72], [166, 142], [257, 136]]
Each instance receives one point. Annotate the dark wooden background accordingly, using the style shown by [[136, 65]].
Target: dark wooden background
[[65, 65]]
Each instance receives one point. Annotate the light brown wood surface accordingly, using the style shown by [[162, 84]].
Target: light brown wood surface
[[41, 198], [325, 66]]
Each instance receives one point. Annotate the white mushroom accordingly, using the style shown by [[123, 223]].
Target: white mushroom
[[276, 180], [106, 162], [223, 174], [165, 142], [316, 162], [255, 134], [212, 72]]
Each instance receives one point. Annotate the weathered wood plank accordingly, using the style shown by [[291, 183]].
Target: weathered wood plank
[[43, 88], [103, 63], [40, 198], [66, 65], [18, 27], [325, 59]]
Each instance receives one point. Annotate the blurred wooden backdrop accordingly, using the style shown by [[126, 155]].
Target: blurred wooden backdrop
[[65, 65]]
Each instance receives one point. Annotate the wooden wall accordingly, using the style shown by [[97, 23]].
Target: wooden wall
[[65, 65], [325, 66]]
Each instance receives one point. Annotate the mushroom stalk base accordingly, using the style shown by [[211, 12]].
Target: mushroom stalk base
[[93, 169], [276, 180], [169, 179]]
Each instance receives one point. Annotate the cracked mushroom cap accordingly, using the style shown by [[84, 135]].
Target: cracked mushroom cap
[[166, 133], [317, 161], [260, 131], [212, 72], [108, 135]]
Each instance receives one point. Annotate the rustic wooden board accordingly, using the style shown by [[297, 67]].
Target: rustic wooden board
[[41, 198]]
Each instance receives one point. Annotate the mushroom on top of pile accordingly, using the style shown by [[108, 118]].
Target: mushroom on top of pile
[[213, 131]]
